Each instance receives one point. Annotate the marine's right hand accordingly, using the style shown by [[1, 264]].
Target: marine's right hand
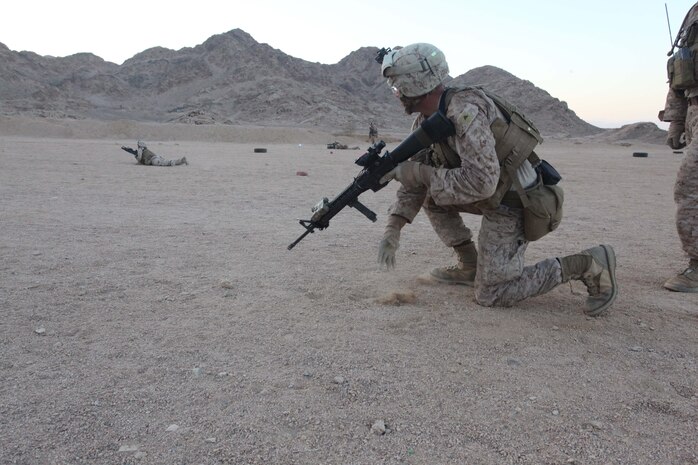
[[390, 242], [387, 248]]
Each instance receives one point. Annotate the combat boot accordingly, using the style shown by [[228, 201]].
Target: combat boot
[[687, 281], [596, 268], [464, 271]]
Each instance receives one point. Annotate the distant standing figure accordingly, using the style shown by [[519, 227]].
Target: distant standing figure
[[145, 156], [372, 132], [681, 111]]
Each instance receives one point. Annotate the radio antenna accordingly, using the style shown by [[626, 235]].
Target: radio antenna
[[671, 36]]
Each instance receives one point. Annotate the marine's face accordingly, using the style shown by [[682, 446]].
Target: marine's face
[[411, 104]]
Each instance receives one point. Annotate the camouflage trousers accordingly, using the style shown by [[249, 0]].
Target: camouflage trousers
[[501, 278], [157, 160], [686, 188]]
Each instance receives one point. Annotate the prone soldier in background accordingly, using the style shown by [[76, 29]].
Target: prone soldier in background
[[145, 156], [681, 111]]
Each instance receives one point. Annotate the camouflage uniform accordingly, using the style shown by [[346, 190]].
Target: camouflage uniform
[[501, 277], [146, 157], [683, 106], [372, 132]]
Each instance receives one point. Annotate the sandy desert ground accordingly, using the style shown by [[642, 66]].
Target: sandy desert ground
[[154, 316]]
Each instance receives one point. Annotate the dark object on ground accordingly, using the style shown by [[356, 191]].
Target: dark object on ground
[[679, 152], [336, 145], [640, 154], [260, 150]]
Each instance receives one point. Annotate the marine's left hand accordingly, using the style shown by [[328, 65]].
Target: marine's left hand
[[676, 137]]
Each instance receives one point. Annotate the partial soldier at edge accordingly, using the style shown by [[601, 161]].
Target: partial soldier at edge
[[681, 112]]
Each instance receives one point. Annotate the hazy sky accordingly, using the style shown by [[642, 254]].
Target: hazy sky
[[606, 59]]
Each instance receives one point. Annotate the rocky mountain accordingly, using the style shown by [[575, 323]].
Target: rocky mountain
[[233, 79], [551, 116]]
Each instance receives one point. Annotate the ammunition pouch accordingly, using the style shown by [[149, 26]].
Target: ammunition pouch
[[681, 69], [542, 209], [681, 66]]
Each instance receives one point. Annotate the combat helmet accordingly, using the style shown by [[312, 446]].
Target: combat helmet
[[414, 70]]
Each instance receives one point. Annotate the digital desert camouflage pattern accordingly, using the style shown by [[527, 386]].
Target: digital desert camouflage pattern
[[398, 67], [472, 114], [686, 188], [677, 108], [147, 157], [501, 277]]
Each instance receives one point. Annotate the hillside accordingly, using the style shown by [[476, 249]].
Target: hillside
[[233, 79]]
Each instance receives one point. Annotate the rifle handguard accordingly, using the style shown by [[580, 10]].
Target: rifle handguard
[[434, 129]]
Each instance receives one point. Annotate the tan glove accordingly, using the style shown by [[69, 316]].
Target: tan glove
[[411, 174], [390, 242], [676, 139]]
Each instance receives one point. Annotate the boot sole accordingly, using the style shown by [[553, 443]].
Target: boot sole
[[611, 260], [691, 290]]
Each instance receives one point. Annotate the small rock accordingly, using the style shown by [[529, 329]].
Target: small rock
[[128, 448], [223, 374], [227, 285], [196, 372], [556, 412], [378, 428], [636, 349], [40, 331], [594, 424], [338, 380], [172, 428], [211, 440]]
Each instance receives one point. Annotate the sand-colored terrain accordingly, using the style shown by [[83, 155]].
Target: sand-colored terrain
[[154, 316]]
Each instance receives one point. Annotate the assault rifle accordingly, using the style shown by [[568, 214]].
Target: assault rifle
[[374, 166], [129, 150]]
